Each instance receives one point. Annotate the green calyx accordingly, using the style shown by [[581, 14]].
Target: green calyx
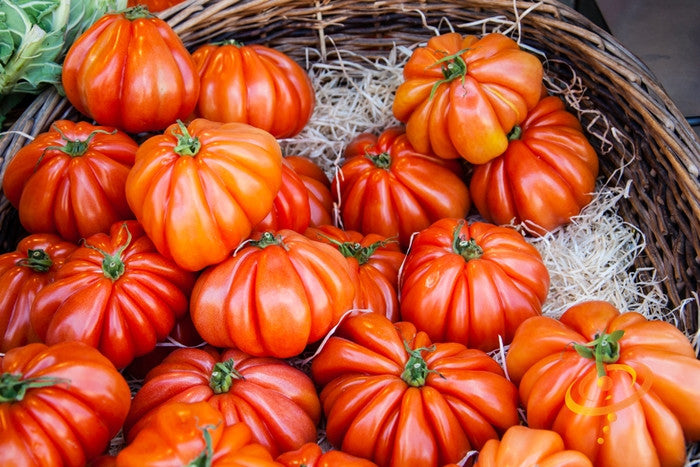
[[137, 12], [268, 239], [605, 348], [467, 249], [223, 376], [187, 145], [112, 265], [453, 66], [354, 250], [13, 388], [381, 161], [37, 260], [516, 133], [416, 370], [74, 147]]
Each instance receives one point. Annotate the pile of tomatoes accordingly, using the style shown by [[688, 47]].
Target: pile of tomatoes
[[170, 213]]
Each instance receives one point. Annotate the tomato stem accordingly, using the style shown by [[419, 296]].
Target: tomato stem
[[467, 249], [416, 370], [136, 12], [223, 375], [112, 265], [73, 147], [13, 388], [268, 239], [37, 260], [204, 459], [355, 250], [187, 145], [515, 133], [381, 161], [605, 348], [453, 66]]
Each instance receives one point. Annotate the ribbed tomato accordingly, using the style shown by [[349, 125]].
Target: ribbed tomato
[[70, 179], [388, 188], [291, 208], [311, 455], [462, 95], [318, 187], [391, 395], [546, 175], [23, 273], [616, 386], [130, 70], [278, 402], [471, 283], [253, 84], [274, 296]]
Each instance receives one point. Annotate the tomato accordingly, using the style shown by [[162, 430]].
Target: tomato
[[23, 273], [291, 208], [274, 296], [115, 293], [462, 95], [70, 180], [391, 395], [545, 177], [388, 188], [471, 283], [616, 386], [311, 455], [181, 433], [376, 261], [525, 446], [154, 5], [318, 189], [130, 70], [277, 401], [59, 404], [253, 84], [206, 184]]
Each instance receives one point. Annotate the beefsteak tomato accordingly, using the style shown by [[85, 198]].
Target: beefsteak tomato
[[546, 175], [253, 84], [616, 386], [70, 180], [274, 296], [391, 395], [462, 95], [115, 293], [23, 273], [130, 70], [311, 455], [318, 188], [278, 402], [388, 188], [59, 404], [375, 259], [199, 190], [291, 208]]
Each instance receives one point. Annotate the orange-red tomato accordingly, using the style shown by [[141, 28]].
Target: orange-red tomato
[[274, 296], [615, 386], [311, 455], [388, 188], [70, 179], [180, 433], [253, 84], [392, 396], [199, 190], [130, 70], [318, 187], [546, 176], [291, 208], [471, 283], [376, 261], [462, 95], [154, 5], [525, 446], [278, 402], [59, 404], [23, 273]]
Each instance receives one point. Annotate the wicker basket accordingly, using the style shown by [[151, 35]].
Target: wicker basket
[[662, 177]]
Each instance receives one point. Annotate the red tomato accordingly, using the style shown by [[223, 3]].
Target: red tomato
[[115, 293], [545, 177], [376, 261], [70, 180], [462, 95], [23, 273], [615, 386], [318, 187], [388, 188], [181, 433], [311, 455], [277, 401], [392, 396], [59, 404], [130, 70], [471, 283], [200, 190], [529, 447], [253, 84], [154, 5], [274, 296], [290, 208]]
